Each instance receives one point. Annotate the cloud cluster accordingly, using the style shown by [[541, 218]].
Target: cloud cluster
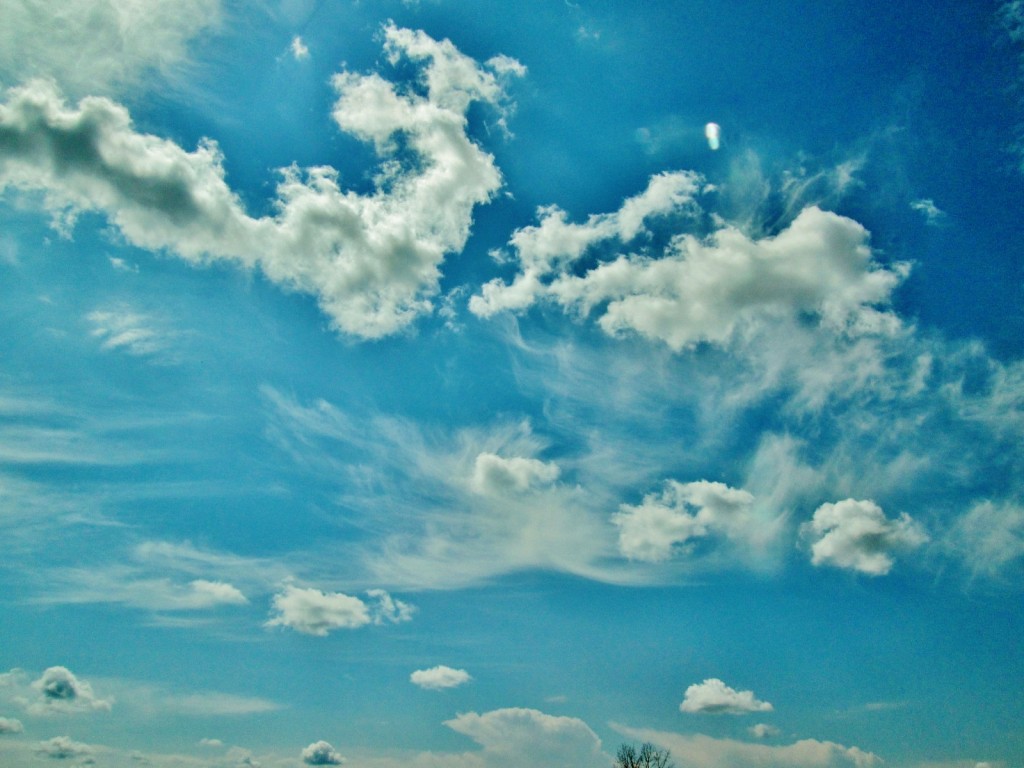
[[682, 513], [857, 535], [313, 612], [63, 748], [699, 290], [713, 697], [440, 677], [321, 753], [372, 261], [493, 474]]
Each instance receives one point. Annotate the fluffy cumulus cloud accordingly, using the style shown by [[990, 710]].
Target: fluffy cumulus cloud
[[372, 261], [682, 513], [10, 725], [63, 748], [59, 690], [713, 697], [439, 678], [493, 474], [523, 737], [699, 290], [857, 535], [313, 612], [92, 46], [700, 751], [763, 731], [321, 753]]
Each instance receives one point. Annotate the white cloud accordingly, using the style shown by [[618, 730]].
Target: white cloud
[[321, 753], [763, 731], [299, 50], [128, 331], [125, 585], [10, 725], [931, 212], [682, 513], [214, 743], [713, 697], [314, 612], [372, 261], [98, 46], [700, 751], [857, 535], [989, 537], [493, 474], [514, 738], [60, 691], [700, 290], [63, 748], [439, 678]]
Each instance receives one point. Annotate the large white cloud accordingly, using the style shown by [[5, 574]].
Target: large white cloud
[[516, 737], [314, 612], [439, 678], [713, 697], [681, 513], [700, 290], [372, 261], [857, 535], [98, 46]]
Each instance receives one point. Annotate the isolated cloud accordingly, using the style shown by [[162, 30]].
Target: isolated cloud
[[63, 748], [522, 737], [10, 725], [681, 513], [763, 731], [321, 753], [372, 261], [989, 537], [857, 535], [60, 691], [313, 612], [713, 697], [493, 474], [700, 290], [127, 586], [931, 212], [127, 331], [439, 678], [98, 46]]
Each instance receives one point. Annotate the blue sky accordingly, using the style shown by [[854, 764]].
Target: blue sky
[[412, 383]]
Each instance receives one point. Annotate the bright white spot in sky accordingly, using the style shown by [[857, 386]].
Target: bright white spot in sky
[[299, 49], [713, 132]]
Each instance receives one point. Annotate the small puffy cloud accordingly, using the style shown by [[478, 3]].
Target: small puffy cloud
[[321, 753], [496, 475], [713, 697], [299, 50], [857, 535], [314, 612], [763, 731], [63, 748], [680, 514], [931, 212], [518, 737], [10, 725], [213, 743], [209, 593], [60, 691], [439, 678]]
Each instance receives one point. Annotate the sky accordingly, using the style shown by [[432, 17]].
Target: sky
[[487, 385]]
